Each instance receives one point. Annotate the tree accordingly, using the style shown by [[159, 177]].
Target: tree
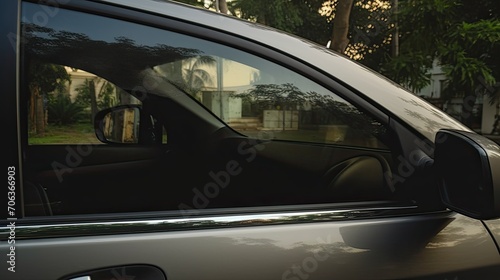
[[324, 109], [43, 79], [341, 25], [52, 46], [272, 96], [96, 92], [87, 96], [462, 36], [222, 6], [282, 14], [363, 33], [62, 111], [297, 17], [194, 77]]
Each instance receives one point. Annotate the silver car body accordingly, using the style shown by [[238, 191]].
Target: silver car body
[[315, 242]]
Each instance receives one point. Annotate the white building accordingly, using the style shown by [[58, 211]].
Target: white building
[[484, 110]]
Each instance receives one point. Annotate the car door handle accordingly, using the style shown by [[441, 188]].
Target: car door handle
[[135, 271]]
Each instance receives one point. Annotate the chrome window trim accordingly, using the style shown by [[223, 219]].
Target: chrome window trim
[[198, 222]]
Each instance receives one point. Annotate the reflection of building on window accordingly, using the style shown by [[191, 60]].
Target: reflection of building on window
[[222, 104], [483, 113], [108, 127], [120, 126], [281, 119], [129, 132]]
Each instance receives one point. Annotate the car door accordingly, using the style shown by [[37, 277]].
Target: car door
[[262, 167]]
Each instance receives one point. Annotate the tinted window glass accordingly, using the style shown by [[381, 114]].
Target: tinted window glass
[[264, 100], [156, 82], [64, 101]]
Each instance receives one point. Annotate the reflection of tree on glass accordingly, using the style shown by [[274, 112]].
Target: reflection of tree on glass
[[190, 75], [97, 92], [53, 46], [44, 78], [120, 126], [271, 96], [194, 77], [338, 120]]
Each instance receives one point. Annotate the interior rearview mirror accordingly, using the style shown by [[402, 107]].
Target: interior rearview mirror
[[468, 169]]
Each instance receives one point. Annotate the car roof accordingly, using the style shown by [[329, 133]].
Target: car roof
[[396, 100]]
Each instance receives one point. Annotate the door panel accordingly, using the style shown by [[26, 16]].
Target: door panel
[[434, 246]]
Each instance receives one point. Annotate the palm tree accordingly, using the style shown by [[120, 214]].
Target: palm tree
[[195, 78]]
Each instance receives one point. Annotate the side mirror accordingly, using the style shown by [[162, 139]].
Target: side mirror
[[124, 124], [468, 169]]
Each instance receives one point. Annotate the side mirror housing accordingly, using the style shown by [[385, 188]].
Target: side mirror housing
[[468, 169], [125, 124]]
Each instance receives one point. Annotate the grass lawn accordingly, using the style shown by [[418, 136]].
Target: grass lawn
[[79, 133]]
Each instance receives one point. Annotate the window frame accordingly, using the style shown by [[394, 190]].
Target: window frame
[[254, 48]]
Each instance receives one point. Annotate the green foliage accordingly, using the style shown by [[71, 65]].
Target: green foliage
[[409, 70], [62, 111], [106, 94], [84, 90], [463, 36], [47, 77], [194, 77], [78, 133], [281, 14], [299, 17], [445, 30], [273, 96], [43, 78]]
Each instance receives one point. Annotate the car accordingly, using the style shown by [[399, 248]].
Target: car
[[154, 140]]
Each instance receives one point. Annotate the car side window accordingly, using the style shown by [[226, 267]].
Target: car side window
[[130, 81]]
